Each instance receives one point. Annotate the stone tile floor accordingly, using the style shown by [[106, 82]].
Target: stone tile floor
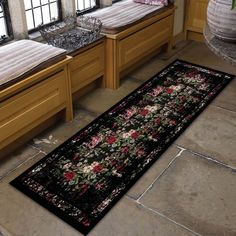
[[190, 190]]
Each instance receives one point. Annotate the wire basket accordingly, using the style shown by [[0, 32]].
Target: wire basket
[[72, 33]]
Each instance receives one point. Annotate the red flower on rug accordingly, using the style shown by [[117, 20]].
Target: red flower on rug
[[120, 168], [135, 135], [85, 222], [69, 175], [113, 162], [169, 91], [97, 169], [158, 121], [144, 112], [125, 150], [111, 140]]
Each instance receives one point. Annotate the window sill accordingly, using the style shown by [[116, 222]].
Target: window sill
[[7, 41], [36, 36]]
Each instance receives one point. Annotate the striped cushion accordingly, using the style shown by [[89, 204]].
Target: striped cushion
[[123, 14], [25, 57]]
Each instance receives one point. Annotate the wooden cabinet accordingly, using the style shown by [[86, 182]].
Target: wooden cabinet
[[87, 65], [30, 102], [126, 49], [195, 18], [142, 42]]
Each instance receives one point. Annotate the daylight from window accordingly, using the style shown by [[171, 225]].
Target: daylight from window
[[3, 28], [82, 5], [40, 12]]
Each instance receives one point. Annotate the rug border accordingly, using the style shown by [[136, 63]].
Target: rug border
[[70, 220]]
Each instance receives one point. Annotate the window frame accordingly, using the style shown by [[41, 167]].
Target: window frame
[[59, 4], [87, 10], [6, 16]]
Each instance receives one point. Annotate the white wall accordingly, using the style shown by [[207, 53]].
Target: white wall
[[104, 3]]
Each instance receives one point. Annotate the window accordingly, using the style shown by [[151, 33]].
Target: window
[[83, 6], [41, 12], [5, 23]]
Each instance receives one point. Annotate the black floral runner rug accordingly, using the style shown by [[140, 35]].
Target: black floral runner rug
[[84, 177]]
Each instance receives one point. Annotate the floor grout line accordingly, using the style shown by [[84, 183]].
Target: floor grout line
[[37, 148], [223, 108], [151, 185], [167, 218], [5, 232], [18, 166], [209, 158]]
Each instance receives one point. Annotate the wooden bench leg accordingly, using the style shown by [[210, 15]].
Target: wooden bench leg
[[170, 43], [169, 46], [69, 105], [112, 75]]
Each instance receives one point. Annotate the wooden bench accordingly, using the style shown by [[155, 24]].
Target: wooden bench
[[88, 65], [30, 101], [135, 42]]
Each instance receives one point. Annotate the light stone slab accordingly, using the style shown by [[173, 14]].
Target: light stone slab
[[198, 194], [213, 134], [101, 100], [154, 172], [11, 161], [200, 54]]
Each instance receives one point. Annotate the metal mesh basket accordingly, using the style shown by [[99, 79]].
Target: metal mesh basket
[[72, 33]]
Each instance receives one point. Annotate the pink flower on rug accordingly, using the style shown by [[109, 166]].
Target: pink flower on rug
[[156, 91], [99, 186], [126, 135], [69, 175], [129, 113], [140, 152], [95, 140]]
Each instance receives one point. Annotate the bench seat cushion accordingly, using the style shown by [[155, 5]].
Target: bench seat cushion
[[124, 14], [23, 58]]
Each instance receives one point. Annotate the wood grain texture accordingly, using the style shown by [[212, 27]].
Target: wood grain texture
[[125, 49], [28, 103], [195, 19], [87, 66]]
